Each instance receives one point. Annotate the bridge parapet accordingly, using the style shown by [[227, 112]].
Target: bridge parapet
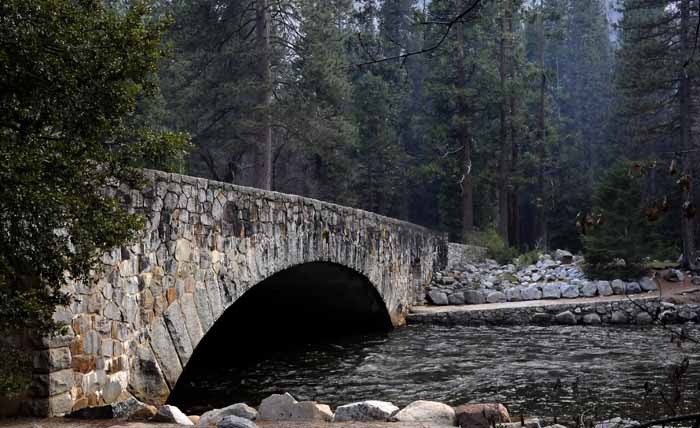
[[206, 243]]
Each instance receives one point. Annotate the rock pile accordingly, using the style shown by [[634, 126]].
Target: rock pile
[[550, 278]]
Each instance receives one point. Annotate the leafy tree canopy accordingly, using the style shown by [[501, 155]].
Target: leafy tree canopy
[[71, 75]]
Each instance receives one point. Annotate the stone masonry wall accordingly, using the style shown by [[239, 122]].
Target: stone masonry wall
[[205, 244], [459, 255], [639, 311]]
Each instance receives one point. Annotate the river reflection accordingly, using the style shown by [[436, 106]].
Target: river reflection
[[545, 371]]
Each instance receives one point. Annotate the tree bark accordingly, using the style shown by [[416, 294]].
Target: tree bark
[[503, 169], [263, 131], [687, 222], [541, 226], [514, 214], [464, 140]]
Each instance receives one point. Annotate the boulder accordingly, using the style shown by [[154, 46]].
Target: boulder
[[643, 318], [604, 288], [172, 414], [233, 421], [194, 418], [531, 293], [551, 291], [564, 257], [242, 410], [633, 288], [616, 423], [592, 319], [569, 291], [648, 284], [473, 297], [276, 407], [130, 408], [283, 407], [541, 318], [496, 297], [311, 411], [618, 317], [437, 298], [589, 289], [456, 298], [513, 294], [427, 411], [566, 318], [618, 287], [370, 410], [529, 423], [673, 275], [481, 415]]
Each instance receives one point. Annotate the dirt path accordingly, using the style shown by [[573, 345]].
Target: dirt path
[[530, 303], [679, 292]]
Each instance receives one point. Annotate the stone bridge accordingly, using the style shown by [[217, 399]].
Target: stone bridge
[[205, 246]]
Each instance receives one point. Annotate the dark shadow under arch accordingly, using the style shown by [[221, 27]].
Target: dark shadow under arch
[[308, 303]]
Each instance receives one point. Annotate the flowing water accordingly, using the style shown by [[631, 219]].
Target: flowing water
[[543, 371]]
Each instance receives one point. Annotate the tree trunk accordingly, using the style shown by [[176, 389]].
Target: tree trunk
[[513, 206], [541, 226], [687, 221], [464, 140], [503, 137], [263, 132]]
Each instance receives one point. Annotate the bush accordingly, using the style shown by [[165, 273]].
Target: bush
[[496, 248]]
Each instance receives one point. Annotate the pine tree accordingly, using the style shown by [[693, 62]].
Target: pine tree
[[617, 234], [659, 79]]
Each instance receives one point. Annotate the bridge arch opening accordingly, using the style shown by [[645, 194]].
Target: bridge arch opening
[[316, 302]]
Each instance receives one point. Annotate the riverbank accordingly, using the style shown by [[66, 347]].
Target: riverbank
[[72, 423]]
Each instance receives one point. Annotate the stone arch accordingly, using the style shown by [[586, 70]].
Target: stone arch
[[315, 301]]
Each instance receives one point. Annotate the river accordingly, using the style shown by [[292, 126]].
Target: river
[[543, 371]]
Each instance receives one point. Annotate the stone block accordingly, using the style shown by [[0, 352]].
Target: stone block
[[51, 360]]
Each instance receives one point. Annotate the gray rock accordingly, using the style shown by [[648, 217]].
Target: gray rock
[[513, 294], [122, 409], [633, 288], [531, 293], [618, 287], [233, 421], [566, 318], [643, 318], [242, 410], [311, 411], [172, 414], [674, 275], [648, 284], [616, 423], [456, 298], [564, 256], [551, 291], [496, 297], [541, 318], [438, 298], [473, 297], [589, 289], [277, 407], [604, 288], [369, 410], [569, 291], [592, 319], [427, 411], [619, 317]]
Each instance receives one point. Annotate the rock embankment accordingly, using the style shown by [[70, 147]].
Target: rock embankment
[[550, 278]]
